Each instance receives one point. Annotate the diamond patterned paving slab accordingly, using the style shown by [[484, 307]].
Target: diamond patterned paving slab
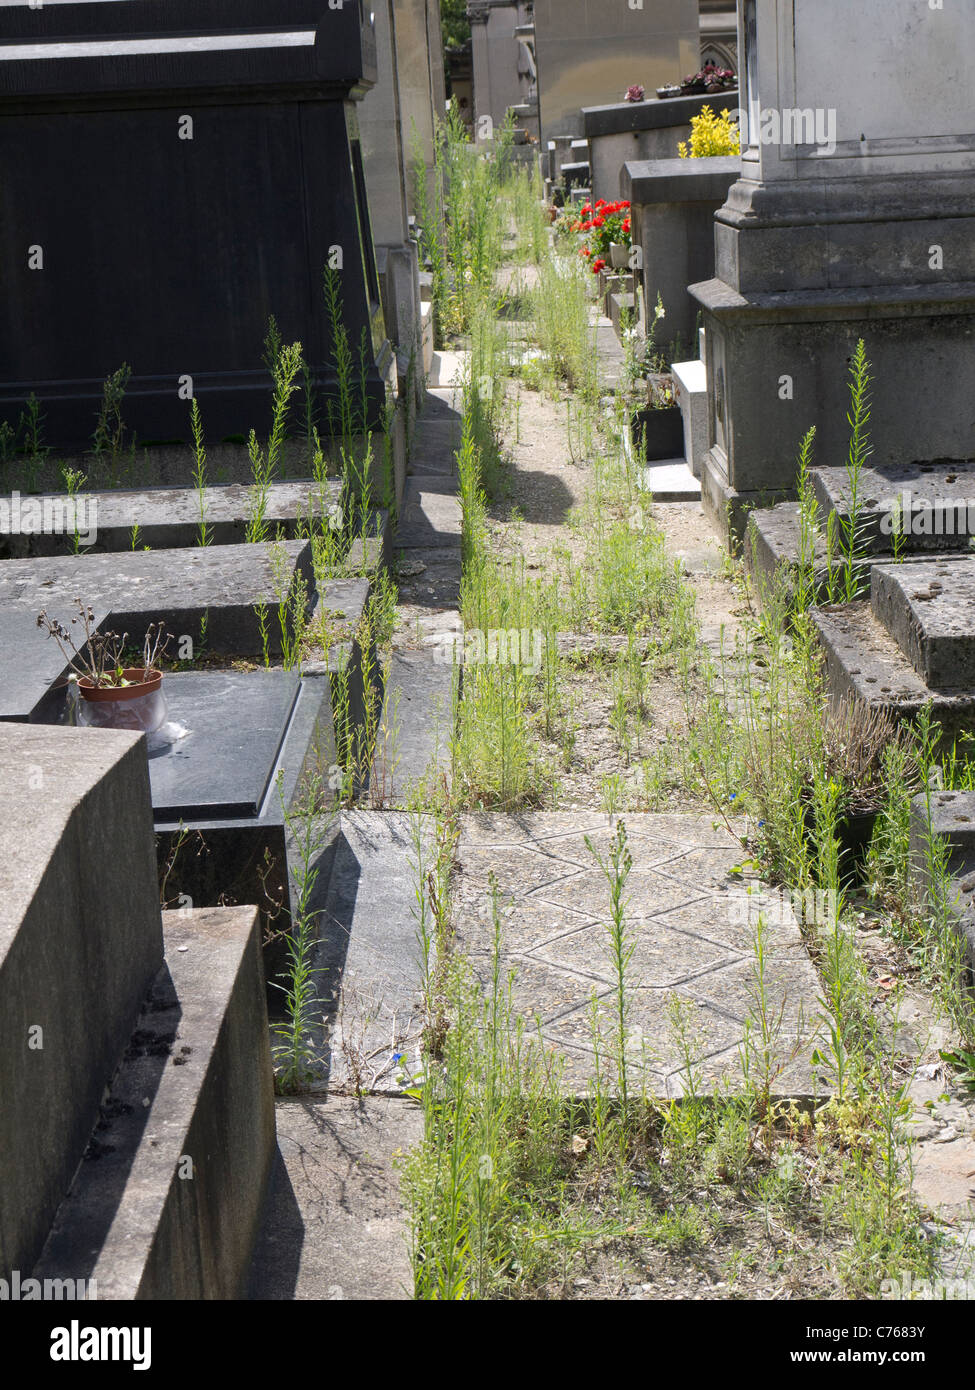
[[692, 936]]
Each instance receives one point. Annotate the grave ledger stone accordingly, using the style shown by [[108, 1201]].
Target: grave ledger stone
[[175, 172]]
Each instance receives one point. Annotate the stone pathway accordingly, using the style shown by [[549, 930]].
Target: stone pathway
[[688, 920]]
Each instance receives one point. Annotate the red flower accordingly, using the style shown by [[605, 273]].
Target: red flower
[[598, 265], [626, 224]]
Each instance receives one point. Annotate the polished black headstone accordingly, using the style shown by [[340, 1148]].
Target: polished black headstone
[[174, 172]]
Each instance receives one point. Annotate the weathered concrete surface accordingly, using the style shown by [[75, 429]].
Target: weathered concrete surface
[[167, 1201], [934, 504], [948, 818], [773, 541], [928, 609], [414, 744], [691, 926], [170, 518], [176, 587], [334, 1226], [369, 958], [864, 661], [431, 514], [31, 665], [435, 445], [80, 942]]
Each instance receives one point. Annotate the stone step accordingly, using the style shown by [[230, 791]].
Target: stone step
[[414, 745], [865, 663], [933, 502], [167, 1200], [435, 446], [447, 369], [431, 514], [773, 543], [929, 609], [334, 1226], [671, 480], [167, 518], [80, 943]]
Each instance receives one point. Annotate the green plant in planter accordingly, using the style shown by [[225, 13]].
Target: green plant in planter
[[711, 135]]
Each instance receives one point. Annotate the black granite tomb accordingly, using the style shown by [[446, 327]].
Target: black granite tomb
[[174, 172]]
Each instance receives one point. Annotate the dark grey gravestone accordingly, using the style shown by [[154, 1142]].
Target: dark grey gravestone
[[929, 609], [169, 252], [933, 503], [171, 518], [227, 583]]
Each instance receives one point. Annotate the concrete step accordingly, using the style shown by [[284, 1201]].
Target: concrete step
[[167, 1200], [671, 480], [334, 1227], [431, 514], [80, 944], [414, 746]]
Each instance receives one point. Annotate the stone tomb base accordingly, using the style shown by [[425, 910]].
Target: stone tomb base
[[227, 798], [917, 338], [930, 506], [911, 645]]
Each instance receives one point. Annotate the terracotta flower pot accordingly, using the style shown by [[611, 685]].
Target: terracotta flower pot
[[133, 691], [140, 706]]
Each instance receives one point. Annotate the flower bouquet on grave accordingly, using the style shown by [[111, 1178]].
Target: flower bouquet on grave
[[111, 695], [710, 79], [635, 93], [608, 232]]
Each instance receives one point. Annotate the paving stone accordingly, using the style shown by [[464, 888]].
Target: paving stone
[[772, 546], [435, 446], [169, 518], [177, 587], [368, 962], [929, 609], [429, 579], [937, 503], [692, 939], [334, 1225], [430, 516], [414, 742]]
